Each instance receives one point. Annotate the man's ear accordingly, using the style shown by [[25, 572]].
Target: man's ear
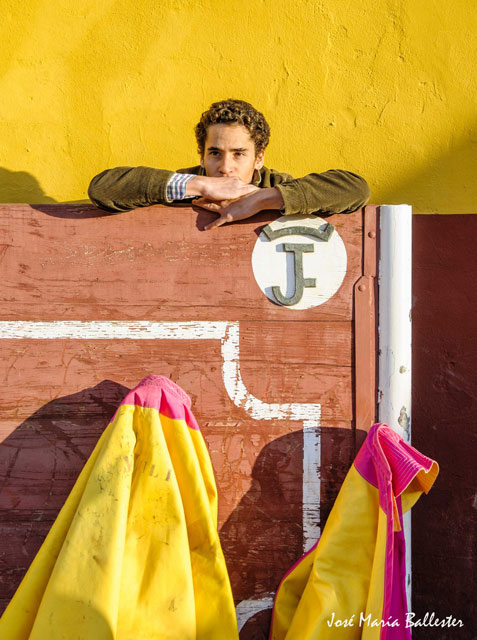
[[202, 161], [259, 159]]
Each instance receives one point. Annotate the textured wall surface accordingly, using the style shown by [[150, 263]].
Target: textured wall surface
[[387, 90]]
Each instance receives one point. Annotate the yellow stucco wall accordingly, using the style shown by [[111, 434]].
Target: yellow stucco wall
[[386, 89]]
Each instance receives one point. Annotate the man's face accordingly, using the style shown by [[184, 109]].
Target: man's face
[[229, 152]]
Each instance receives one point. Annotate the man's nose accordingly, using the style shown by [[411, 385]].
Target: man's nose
[[226, 166]]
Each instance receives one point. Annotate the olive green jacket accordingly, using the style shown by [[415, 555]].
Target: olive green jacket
[[333, 191]]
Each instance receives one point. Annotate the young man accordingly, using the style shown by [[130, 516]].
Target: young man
[[231, 179]]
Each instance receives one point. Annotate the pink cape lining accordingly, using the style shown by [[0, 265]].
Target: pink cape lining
[[389, 463], [164, 395]]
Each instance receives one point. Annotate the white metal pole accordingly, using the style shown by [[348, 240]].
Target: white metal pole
[[395, 302]]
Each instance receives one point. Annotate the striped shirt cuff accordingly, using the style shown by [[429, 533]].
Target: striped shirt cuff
[[176, 187]]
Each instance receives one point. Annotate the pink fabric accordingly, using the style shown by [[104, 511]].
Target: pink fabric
[[158, 392], [398, 603], [390, 464], [385, 458]]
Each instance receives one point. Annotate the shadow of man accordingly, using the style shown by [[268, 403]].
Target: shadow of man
[[263, 537], [20, 186]]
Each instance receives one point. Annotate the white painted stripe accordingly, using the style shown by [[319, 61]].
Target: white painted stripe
[[242, 398], [309, 414], [248, 608], [113, 330], [311, 485]]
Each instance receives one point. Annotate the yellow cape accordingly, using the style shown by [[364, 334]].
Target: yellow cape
[[351, 584], [134, 553]]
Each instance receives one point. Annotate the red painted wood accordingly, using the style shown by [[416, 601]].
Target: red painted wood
[[366, 326], [156, 264], [37, 371], [152, 264], [444, 406]]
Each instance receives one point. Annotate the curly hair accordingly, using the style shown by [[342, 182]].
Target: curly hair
[[234, 112]]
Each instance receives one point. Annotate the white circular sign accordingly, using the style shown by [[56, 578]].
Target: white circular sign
[[296, 268]]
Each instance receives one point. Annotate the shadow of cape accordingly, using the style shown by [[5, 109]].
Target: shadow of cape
[[39, 464], [263, 536]]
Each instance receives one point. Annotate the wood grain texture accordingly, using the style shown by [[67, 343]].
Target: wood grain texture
[[38, 371], [154, 263]]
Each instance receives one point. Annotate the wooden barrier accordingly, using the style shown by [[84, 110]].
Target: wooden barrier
[[92, 303]]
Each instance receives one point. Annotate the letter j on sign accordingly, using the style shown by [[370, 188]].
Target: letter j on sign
[[297, 268]]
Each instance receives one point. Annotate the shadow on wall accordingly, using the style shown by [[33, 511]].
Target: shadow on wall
[[42, 458], [263, 536], [20, 186], [443, 184], [39, 464], [23, 187]]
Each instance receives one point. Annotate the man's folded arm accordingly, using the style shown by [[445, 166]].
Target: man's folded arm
[[125, 188], [333, 191]]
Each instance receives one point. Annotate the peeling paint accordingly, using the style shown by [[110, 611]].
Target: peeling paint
[[248, 608], [403, 419], [113, 330], [240, 396], [309, 414], [311, 486]]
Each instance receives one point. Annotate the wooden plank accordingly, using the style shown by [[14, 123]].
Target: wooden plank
[[153, 264], [38, 371], [365, 326], [308, 342]]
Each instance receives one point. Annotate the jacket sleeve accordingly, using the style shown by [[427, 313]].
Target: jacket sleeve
[[333, 191], [125, 188]]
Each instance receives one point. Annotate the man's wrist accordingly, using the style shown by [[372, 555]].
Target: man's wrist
[[268, 198], [195, 186], [176, 186]]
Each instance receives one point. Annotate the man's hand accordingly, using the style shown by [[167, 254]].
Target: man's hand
[[218, 189], [241, 208], [228, 210]]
